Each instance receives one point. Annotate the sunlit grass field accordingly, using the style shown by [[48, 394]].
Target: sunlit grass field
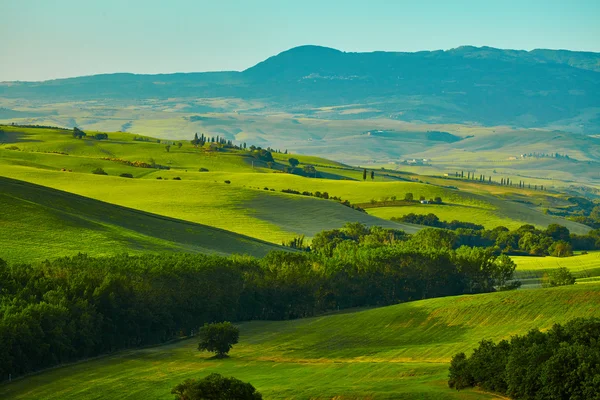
[[395, 352], [252, 203], [531, 270]]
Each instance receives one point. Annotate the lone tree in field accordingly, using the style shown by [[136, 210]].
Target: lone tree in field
[[218, 338], [293, 162], [168, 148], [409, 197], [372, 175], [364, 174], [217, 387]]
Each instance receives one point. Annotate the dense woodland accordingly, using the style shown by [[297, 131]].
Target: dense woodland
[[71, 308], [563, 363]]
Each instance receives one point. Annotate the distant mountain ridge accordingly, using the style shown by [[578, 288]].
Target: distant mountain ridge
[[485, 85]]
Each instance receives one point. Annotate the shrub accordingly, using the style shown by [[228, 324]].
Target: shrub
[[215, 386], [228, 182], [99, 171], [12, 148], [203, 170], [177, 178], [560, 277], [126, 175]]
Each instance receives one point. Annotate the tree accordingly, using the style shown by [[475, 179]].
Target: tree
[[364, 174], [179, 145], [218, 338], [558, 232], [437, 200], [409, 197], [372, 175], [217, 387], [293, 162], [561, 249], [168, 148]]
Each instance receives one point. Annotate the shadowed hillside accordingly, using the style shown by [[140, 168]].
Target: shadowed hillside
[[38, 222]]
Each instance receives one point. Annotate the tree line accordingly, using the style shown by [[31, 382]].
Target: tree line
[[562, 363], [76, 307], [556, 240]]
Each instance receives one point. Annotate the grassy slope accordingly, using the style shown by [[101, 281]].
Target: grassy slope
[[38, 223], [262, 214], [392, 352], [531, 270]]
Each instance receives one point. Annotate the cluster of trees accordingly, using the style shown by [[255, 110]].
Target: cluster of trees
[[78, 133], [71, 308], [503, 181], [408, 198], [144, 139], [202, 140], [562, 363], [38, 126], [556, 240], [583, 211], [433, 220], [101, 136], [326, 196]]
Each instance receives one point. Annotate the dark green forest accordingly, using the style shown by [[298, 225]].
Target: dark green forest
[[563, 363]]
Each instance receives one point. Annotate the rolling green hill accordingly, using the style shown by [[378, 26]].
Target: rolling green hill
[[395, 352], [46, 157], [37, 223]]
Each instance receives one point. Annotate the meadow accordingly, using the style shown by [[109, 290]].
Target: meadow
[[393, 352]]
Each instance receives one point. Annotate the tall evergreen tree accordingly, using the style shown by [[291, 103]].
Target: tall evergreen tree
[[364, 174]]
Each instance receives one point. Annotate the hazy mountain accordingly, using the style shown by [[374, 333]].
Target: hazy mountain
[[539, 88]]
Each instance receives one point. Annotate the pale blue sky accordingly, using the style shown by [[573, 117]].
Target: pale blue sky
[[44, 39]]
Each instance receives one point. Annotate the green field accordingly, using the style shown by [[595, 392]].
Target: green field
[[39, 223], [205, 198], [531, 270], [393, 352]]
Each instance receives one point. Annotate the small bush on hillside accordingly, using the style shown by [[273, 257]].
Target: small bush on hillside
[[228, 182], [559, 277], [215, 387], [100, 136], [99, 171], [177, 178], [12, 148], [126, 175], [203, 170], [159, 177]]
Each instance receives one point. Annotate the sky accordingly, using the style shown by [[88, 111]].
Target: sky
[[47, 39]]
